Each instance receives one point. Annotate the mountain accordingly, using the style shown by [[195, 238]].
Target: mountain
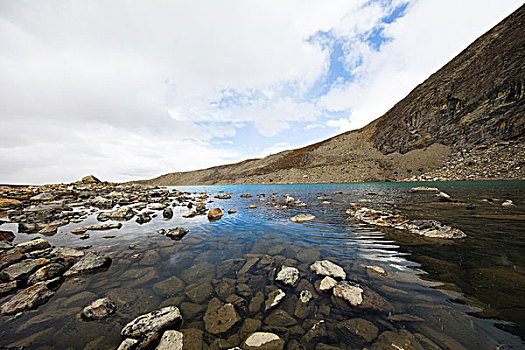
[[466, 121]]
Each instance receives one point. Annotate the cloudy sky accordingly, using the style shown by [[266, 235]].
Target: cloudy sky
[[134, 89]]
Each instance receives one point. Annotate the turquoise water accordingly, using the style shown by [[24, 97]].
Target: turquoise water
[[465, 294]]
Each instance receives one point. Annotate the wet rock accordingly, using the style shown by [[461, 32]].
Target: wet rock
[[223, 196], [231, 211], [507, 203], [167, 213], [8, 287], [244, 290], [128, 344], [190, 310], [220, 318], [247, 195], [444, 197], [90, 262], [357, 330], [249, 326], [327, 284], [307, 256], [289, 276], [7, 236], [349, 292], [302, 218], [280, 318], [224, 290], [26, 299], [256, 302], [215, 214], [22, 269], [328, 268], [155, 321], [434, 229], [9, 259], [99, 309], [305, 296], [142, 218], [170, 286], [316, 333], [47, 272], [274, 298], [175, 233], [122, 213], [263, 341], [29, 246], [171, 340], [98, 227], [198, 293], [401, 339], [189, 214], [248, 265], [150, 258], [303, 308], [377, 269]]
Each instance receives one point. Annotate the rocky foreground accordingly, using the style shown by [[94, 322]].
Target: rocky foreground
[[31, 272]]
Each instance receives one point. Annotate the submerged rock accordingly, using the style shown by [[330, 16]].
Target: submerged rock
[[98, 227], [220, 318], [274, 298], [401, 339], [328, 268], [28, 298], [349, 292], [155, 321], [99, 309], [289, 276], [302, 218], [327, 284], [171, 340], [89, 262], [263, 341], [357, 330]]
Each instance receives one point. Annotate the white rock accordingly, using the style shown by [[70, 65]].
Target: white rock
[[328, 268], [302, 217], [274, 298], [288, 276], [349, 292], [507, 203], [327, 284], [171, 340], [305, 296], [152, 322], [262, 339], [128, 344]]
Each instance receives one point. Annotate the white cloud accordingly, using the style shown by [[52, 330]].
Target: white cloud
[[276, 148], [129, 90]]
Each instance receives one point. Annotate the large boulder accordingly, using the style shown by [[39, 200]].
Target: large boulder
[[155, 321]]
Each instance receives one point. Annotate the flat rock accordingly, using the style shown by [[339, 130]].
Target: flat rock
[[98, 227], [328, 268], [9, 259], [349, 292], [189, 214], [280, 318], [401, 339], [123, 213], [198, 293], [8, 287], [29, 246], [263, 341], [358, 330], [176, 233], [289, 276], [302, 218], [274, 298], [155, 321], [128, 344], [170, 286], [99, 309], [22, 269], [26, 299], [171, 340], [6, 236], [47, 272], [89, 262], [219, 319]]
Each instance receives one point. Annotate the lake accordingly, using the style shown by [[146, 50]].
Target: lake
[[455, 294]]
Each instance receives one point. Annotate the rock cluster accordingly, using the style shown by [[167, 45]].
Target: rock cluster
[[427, 228]]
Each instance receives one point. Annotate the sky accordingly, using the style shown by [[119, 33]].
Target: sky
[[130, 90]]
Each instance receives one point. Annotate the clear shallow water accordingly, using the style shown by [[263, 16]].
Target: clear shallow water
[[470, 293]]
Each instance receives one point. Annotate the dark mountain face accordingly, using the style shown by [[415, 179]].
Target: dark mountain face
[[465, 122], [476, 98]]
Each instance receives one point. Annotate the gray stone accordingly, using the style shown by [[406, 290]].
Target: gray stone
[[155, 321], [328, 268], [123, 213], [263, 341], [171, 340], [29, 246], [128, 344], [99, 309], [349, 292], [89, 262], [302, 218], [327, 284], [47, 272], [22, 269], [8, 287], [289, 276], [28, 298], [176, 233]]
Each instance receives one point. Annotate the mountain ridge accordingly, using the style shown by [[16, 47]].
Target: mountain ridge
[[464, 122]]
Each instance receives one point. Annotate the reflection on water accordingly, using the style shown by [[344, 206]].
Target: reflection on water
[[437, 294]]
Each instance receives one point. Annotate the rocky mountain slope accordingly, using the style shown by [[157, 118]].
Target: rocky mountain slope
[[466, 121]]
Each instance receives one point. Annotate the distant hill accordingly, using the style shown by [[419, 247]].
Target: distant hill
[[466, 121]]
